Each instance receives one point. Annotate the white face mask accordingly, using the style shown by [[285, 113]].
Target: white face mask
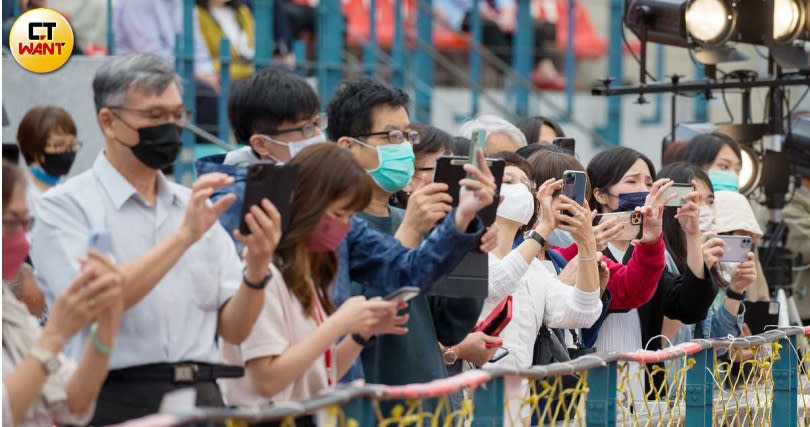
[[296, 146], [706, 219], [518, 203], [560, 238]]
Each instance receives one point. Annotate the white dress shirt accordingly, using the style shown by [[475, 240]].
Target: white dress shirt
[[177, 320]]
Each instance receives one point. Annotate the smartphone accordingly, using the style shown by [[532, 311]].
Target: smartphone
[[101, 241], [680, 190], [567, 144], [478, 141], [761, 315], [450, 170], [574, 186], [403, 294], [736, 248], [500, 353], [273, 182], [633, 221]]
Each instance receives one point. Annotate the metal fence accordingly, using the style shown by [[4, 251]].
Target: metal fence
[[758, 380]]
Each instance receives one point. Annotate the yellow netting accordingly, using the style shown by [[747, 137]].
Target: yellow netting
[[414, 412], [652, 394], [744, 389], [804, 380], [549, 401]]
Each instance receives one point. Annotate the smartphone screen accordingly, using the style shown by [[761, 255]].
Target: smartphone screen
[[680, 191], [500, 353]]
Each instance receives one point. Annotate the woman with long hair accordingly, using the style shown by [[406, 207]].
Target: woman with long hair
[[301, 344]]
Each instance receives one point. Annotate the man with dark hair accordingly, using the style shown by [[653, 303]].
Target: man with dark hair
[[370, 119], [274, 110]]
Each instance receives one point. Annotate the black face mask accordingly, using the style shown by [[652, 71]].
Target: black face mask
[[58, 164], [159, 145]]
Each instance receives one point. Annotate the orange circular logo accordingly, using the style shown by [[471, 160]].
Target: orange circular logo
[[41, 40]]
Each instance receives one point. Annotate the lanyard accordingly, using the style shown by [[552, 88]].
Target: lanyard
[[331, 365]]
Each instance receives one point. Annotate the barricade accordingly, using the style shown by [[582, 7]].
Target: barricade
[[758, 380]]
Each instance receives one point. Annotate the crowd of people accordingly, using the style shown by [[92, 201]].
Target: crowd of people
[[183, 298]]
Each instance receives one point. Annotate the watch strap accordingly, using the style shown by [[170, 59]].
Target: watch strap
[[735, 295], [257, 286], [362, 342], [532, 234]]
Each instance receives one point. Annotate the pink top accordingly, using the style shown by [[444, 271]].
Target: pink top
[[282, 323]]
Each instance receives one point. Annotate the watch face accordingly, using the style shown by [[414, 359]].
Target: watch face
[[450, 357]]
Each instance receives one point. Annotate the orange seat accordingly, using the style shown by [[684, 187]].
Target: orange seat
[[357, 22]]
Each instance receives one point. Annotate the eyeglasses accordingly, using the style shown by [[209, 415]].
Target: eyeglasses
[[308, 129], [158, 114], [397, 136], [62, 147], [13, 222]]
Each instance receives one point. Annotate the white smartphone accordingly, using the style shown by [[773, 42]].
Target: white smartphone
[[500, 353], [403, 294], [736, 248], [681, 191]]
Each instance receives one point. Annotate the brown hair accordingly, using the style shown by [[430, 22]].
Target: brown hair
[[511, 158], [12, 180], [37, 125], [326, 173], [547, 164]]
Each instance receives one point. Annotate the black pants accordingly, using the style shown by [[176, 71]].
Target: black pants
[[120, 401], [500, 43]]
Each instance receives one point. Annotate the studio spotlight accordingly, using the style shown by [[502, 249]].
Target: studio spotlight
[[751, 170], [788, 20], [710, 23]]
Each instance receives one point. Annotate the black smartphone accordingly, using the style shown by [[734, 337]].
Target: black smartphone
[[450, 170], [500, 353], [574, 186], [11, 152], [403, 294], [273, 182], [761, 315], [567, 144]]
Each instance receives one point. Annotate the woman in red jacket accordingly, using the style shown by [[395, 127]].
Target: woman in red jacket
[[630, 285]]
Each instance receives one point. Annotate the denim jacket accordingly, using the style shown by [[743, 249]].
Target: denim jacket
[[367, 256]]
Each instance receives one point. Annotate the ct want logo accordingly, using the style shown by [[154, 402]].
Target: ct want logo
[[41, 40]]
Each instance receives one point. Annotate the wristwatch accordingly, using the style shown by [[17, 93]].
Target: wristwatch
[[450, 356], [531, 234], [362, 342], [257, 286], [735, 295], [50, 361]]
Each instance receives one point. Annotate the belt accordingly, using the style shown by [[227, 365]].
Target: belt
[[180, 373]]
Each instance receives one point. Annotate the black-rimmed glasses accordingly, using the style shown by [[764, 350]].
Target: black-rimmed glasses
[[396, 136]]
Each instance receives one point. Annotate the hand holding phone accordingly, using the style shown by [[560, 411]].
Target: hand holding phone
[[403, 294], [477, 142], [274, 183], [631, 224]]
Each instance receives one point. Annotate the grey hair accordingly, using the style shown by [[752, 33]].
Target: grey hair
[[493, 124], [149, 74]]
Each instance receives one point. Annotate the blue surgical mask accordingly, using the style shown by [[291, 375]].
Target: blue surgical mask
[[631, 201], [396, 165], [45, 177], [560, 238], [724, 180]]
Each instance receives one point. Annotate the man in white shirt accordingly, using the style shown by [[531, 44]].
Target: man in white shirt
[[184, 283]]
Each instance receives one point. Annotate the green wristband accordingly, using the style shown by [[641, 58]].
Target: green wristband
[[103, 349]]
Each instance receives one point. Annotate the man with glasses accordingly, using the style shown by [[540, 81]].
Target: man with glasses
[[371, 119], [184, 284]]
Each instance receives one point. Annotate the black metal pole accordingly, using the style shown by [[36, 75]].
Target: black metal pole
[[699, 86]]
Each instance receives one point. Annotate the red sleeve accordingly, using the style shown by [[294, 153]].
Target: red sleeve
[[568, 253], [634, 284]]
